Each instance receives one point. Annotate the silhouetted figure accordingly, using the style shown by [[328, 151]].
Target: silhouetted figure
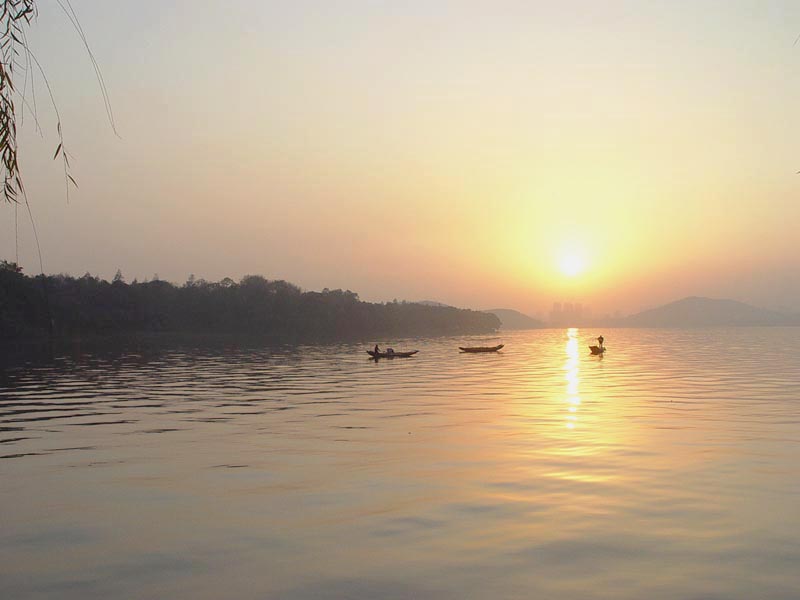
[[377, 350], [598, 349]]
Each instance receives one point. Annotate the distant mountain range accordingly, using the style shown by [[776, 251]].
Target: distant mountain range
[[693, 311], [708, 312], [513, 319], [510, 319]]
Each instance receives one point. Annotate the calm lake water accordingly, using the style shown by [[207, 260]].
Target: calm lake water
[[670, 468]]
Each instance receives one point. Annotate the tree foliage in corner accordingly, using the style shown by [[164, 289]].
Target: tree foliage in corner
[[17, 61], [15, 15]]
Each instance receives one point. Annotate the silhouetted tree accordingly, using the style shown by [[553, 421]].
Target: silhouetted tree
[[89, 305]]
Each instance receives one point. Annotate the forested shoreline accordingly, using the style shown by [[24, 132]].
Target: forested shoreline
[[65, 306]]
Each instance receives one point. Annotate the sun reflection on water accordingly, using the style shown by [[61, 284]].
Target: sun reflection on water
[[572, 377]]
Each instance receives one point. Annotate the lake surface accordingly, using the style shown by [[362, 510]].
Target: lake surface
[[669, 468]]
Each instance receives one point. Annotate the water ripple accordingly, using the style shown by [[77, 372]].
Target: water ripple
[[665, 469]]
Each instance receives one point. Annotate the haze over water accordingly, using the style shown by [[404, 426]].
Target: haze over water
[[666, 469]]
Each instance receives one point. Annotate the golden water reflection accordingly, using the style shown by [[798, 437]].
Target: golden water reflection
[[572, 377]]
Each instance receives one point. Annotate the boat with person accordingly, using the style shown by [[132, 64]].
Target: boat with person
[[600, 349], [391, 354], [476, 349]]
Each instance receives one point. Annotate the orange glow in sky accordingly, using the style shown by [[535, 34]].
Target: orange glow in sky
[[622, 155]]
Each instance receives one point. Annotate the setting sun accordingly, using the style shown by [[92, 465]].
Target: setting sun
[[572, 264]]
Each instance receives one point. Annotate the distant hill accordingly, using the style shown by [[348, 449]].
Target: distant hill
[[513, 319], [707, 312]]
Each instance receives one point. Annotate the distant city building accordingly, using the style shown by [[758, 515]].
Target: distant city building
[[577, 314], [568, 314]]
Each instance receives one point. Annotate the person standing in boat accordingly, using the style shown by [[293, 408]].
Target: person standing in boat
[[377, 350], [600, 341]]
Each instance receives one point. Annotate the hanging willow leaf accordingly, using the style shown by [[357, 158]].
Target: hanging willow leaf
[[13, 15]]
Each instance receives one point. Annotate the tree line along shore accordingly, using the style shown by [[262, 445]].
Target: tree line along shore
[[65, 306]]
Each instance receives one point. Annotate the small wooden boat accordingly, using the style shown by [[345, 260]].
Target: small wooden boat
[[374, 354], [482, 348], [597, 350]]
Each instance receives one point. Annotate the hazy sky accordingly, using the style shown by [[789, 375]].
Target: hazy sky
[[467, 152]]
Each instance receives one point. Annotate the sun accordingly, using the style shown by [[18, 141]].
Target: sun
[[572, 263]]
